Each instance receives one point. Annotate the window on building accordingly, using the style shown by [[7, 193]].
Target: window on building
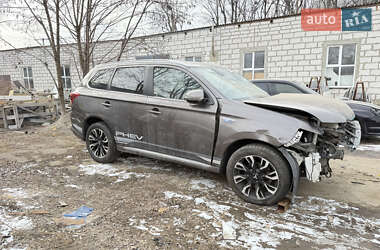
[[340, 66], [28, 77], [129, 80], [100, 79], [66, 77], [172, 83], [193, 58], [253, 65]]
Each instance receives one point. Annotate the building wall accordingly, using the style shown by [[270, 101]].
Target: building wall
[[290, 53]]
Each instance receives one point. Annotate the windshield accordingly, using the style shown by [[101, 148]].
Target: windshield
[[231, 85]]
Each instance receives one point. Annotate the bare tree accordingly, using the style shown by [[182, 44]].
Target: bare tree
[[217, 11], [233, 11], [139, 9], [171, 15], [89, 21], [46, 13]]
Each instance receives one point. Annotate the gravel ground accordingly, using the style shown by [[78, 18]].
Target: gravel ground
[[140, 203]]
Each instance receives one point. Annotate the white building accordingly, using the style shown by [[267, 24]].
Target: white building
[[274, 49]]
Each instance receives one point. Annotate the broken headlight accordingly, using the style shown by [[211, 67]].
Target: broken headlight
[[303, 140], [295, 139]]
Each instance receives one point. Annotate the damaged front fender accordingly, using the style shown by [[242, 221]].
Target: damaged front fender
[[294, 166]]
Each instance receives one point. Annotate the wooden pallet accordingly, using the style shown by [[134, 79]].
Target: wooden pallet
[[14, 114]]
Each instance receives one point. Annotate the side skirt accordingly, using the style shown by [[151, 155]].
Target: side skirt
[[170, 158]]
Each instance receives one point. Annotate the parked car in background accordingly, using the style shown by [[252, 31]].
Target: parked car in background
[[208, 117], [366, 113]]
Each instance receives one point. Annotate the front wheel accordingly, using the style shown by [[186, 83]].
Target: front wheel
[[259, 174], [100, 143]]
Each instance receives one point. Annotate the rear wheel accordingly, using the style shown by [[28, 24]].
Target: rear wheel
[[100, 143], [258, 174]]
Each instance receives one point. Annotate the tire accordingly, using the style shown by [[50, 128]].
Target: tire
[[266, 181], [100, 143], [363, 128]]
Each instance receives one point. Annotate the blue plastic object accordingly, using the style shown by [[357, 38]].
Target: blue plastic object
[[81, 212]]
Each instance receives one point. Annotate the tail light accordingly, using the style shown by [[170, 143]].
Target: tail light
[[73, 95]]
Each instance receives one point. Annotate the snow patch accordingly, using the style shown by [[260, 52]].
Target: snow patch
[[178, 221], [108, 170], [316, 220], [202, 184], [73, 186], [141, 225], [9, 223], [31, 165], [16, 193], [170, 195], [20, 196], [202, 214]]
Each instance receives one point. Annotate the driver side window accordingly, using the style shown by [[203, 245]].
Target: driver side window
[[172, 83]]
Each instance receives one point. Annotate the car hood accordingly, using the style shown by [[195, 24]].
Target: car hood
[[327, 110], [367, 104]]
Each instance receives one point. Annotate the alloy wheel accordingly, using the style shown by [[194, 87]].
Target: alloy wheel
[[256, 177], [98, 142]]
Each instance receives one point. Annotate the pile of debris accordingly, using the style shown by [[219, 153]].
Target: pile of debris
[[19, 105]]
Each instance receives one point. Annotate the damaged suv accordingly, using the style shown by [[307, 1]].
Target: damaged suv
[[206, 117]]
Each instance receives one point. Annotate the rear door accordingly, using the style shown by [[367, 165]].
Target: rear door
[[128, 105], [92, 101], [177, 127]]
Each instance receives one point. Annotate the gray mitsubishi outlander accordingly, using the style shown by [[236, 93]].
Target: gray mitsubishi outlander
[[209, 118]]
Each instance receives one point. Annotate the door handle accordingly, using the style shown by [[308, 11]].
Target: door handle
[[155, 111], [107, 104]]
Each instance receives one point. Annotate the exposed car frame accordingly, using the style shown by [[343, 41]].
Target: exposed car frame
[[367, 114]]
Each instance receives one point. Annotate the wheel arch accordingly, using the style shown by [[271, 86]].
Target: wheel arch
[[91, 120], [238, 144], [291, 162]]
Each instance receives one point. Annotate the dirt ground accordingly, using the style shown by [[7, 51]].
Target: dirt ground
[[140, 203]]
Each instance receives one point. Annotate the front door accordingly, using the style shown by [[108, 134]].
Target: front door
[[177, 127]]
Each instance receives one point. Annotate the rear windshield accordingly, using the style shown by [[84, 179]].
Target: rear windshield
[[231, 85]]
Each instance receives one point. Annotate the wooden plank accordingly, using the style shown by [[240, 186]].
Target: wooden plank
[[26, 105], [16, 97], [17, 120], [5, 118], [12, 117]]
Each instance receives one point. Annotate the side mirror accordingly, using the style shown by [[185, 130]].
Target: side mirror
[[195, 96]]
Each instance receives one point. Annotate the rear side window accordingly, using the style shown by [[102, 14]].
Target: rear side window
[[100, 79], [278, 88], [172, 83], [130, 80]]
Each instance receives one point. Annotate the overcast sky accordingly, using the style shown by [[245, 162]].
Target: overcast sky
[[13, 30]]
